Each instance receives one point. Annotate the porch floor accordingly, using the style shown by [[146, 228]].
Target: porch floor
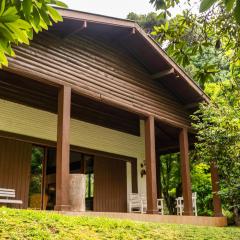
[[192, 220]]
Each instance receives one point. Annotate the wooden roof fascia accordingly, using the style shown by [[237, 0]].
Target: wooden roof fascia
[[180, 72], [96, 18]]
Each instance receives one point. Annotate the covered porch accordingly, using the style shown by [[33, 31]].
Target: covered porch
[[114, 161]]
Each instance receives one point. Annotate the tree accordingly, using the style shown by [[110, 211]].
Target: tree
[[201, 184], [146, 21], [218, 133], [207, 43], [170, 180], [230, 6], [19, 19]]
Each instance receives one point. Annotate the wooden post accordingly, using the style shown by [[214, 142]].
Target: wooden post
[[217, 205], [150, 165], [185, 172], [62, 162]]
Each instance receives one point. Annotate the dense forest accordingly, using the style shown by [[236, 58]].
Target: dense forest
[[207, 46]]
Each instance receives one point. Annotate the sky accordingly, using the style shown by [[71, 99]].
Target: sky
[[119, 8]]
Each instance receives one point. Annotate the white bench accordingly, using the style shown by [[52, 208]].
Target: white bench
[[138, 203], [180, 204], [7, 195]]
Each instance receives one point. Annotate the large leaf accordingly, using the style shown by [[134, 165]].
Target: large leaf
[[56, 17], [2, 7], [59, 3], [27, 8], [206, 4]]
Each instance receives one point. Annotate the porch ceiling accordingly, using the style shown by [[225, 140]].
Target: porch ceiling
[[167, 138]]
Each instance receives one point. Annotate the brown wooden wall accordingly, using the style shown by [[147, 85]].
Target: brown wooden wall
[[98, 70], [15, 158], [110, 185]]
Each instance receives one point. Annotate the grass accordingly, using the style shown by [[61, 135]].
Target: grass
[[27, 224]]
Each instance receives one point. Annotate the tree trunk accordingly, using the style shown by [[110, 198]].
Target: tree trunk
[[236, 213]]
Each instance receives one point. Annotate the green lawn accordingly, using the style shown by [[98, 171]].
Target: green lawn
[[26, 224]]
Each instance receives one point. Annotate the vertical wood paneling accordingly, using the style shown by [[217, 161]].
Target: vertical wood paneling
[[110, 185], [15, 158]]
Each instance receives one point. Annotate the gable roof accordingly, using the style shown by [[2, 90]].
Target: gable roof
[[142, 46]]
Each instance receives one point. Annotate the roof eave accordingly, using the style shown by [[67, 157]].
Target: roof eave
[[101, 19]]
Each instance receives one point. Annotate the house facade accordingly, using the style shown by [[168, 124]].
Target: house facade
[[100, 97]]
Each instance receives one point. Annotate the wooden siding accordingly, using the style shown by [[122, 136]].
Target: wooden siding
[[15, 158], [100, 71], [110, 185], [23, 120], [28, 121]]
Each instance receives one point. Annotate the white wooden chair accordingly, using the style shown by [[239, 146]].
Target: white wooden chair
[[138, 203], [180, 204], [7, 195], [160, 206]]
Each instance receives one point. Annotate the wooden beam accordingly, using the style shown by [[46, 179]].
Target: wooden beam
[[192, 105], [77, 30], [133, 31], [217, 205], [185, 172], [63, 148], [163, 74], [150, 153]]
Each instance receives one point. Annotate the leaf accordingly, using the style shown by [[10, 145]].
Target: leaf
[[2, 7], [237, 12], [6, 33], [206, 4], [56, 17], [36, 16], [3, 59], [44, 16], [10, 11], [21, 34], [9, 18], [27, 8], [60, 4], [229, 4], [23, 24]]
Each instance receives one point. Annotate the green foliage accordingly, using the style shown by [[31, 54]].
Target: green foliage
[[230, 6], [26, 224], [206, 4], [36, 170], [206, 45], [218, 133], [170, 180], [146, 21], [19, 19], [202, 185]]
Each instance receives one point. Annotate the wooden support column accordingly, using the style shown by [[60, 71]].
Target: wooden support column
[[62, 161], [217, 205], [150, 165], [185, 172]]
